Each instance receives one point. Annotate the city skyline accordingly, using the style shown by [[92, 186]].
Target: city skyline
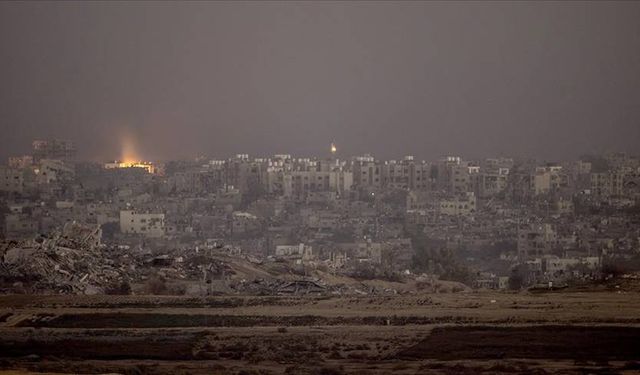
[[128, 153]]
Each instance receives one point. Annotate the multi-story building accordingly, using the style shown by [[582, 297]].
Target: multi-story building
[[366, 172], [492, 182], [547, 179], [463, 178], [398, 175], [535, 240], [443, 171], [460, 205], [50, 170], [300, 253], [607, 183], [143, 223], [54, 149], [21, 162], [11, 180]]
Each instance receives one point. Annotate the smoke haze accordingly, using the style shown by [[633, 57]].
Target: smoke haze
[[549, 80]]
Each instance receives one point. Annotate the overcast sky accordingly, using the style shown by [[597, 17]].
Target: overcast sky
[[545, 79]]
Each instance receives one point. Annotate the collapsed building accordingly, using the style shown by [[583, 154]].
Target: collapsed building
[[69, 261]]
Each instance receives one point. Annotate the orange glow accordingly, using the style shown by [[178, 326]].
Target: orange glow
[[129, 157], [134, 164], [137, 164], [129, 154]]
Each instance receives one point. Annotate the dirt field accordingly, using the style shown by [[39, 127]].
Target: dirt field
[[483, 332]]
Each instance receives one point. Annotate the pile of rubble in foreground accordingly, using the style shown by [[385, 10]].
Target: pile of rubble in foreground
[[64, 262], [73, 261]]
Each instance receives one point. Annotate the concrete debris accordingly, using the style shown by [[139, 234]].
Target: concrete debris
[[65, 262], [73, 261]]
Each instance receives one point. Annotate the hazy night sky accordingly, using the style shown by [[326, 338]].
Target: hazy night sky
[[551, 80]]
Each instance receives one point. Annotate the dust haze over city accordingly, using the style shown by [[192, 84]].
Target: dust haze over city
[[552, 80], [320, 187]]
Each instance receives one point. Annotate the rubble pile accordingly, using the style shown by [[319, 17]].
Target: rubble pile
[[73, 261], [280, 287], [306, 286], [64, 262]]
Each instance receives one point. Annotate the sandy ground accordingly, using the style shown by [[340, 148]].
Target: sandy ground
[[479, 332]]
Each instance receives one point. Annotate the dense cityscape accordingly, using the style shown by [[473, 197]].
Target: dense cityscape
[[495, 223], [319, 187]]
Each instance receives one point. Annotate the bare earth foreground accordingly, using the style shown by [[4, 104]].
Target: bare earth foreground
[[484, 332]]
